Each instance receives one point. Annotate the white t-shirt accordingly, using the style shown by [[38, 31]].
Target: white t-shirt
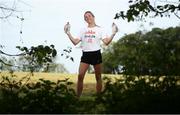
[[91, 38]]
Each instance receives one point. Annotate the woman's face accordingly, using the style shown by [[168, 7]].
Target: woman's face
[[89, 18]]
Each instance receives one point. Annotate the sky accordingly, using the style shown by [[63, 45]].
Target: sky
[[44, 21]]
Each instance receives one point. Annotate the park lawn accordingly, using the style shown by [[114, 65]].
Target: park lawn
[[89, 80]]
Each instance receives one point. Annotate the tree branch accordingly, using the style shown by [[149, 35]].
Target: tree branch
[[10, 9], [5, 63], [1, 52], [166, 10], [177, 15]]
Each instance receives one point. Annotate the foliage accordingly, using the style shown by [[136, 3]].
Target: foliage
[[152, 53], [66, 53], [34, 57], [56, 68], [3, 66], [138, 9], [128, 94], [37, 59], [40, 53], [141, 95], [110, 64], [19, 96]]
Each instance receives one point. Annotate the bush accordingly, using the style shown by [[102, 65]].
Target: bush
[[145, 94], [42, 97], [141, 95]]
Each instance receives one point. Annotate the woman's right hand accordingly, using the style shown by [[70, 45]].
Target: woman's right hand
[[67, 28]]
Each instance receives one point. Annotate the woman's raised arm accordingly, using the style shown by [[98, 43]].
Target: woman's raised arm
[[67, 27]]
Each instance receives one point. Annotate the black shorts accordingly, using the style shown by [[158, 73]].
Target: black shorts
[[92, 58]]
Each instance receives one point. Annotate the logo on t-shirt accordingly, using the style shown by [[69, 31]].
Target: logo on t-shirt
[[90, 35]]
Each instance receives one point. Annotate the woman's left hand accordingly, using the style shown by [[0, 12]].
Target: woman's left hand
[[67, 28], [114, 28]]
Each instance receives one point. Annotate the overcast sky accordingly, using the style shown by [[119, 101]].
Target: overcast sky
[[45, 20]]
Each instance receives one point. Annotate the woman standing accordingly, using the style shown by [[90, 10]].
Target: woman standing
[[90, 37]]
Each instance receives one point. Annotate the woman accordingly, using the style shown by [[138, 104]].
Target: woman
[[90, 38]]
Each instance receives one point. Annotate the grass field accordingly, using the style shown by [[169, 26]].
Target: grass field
[[89, 80]]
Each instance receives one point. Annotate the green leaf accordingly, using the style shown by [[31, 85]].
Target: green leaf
[[54, 53], [166, 6], [52, 46], [18, 47]]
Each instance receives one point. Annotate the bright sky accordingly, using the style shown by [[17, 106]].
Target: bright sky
[[45, 20]]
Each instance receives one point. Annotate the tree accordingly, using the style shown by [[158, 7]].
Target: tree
[[8, 10], [138, 9], [164, 51], [153, 53], [57, 67], [5, 67], [34, 58], [110, 60]]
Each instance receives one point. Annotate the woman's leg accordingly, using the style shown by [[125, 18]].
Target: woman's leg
[[97, 69], [82, 71]]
